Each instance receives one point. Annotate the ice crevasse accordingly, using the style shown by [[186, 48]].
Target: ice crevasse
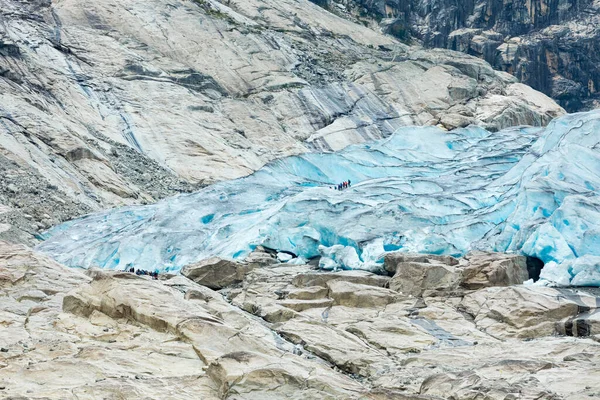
[[527, 190]]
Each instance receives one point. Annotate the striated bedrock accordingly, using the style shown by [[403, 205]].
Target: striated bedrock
[[287, 331], [531, 191], [126, 102], [550, 45]]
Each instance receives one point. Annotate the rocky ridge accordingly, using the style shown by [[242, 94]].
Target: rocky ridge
[[289, 331], [127, 102], [550, 45]]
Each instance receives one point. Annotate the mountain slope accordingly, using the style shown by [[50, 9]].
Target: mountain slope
[[123, 102], [551, 45]]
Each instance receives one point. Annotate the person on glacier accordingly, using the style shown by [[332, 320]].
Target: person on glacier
[[349, 182]]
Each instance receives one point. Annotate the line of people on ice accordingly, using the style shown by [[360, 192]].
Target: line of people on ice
[[342, 186], [143, 272]]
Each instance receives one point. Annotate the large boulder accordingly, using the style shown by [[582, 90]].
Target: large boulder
[[423, 274], [414, 278], [493, 269], [216, 273], [260, 258]]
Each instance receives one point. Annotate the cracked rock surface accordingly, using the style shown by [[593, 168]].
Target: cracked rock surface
[[122, 102], [550, 45], [289, 331]]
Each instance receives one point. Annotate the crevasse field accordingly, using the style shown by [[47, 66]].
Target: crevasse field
[[528, 190]]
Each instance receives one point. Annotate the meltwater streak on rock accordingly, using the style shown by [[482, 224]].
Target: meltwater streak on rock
[[423, 190]]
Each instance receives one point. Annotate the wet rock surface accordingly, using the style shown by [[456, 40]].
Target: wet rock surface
[[128, 102], [68, 334]]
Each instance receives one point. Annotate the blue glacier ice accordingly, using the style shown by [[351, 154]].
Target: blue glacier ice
[[527, 190]]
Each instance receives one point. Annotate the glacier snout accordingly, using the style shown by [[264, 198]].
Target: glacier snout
[[527, 190]]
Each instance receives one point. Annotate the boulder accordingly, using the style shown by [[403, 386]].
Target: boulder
[[393, 334], [260, 258], [414, 278], [443, 384], [216, 273], [481, 270], [423, 274]]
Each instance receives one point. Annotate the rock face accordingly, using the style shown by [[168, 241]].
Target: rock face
[[552, 46], [128, 102], [215, 273], [493, 269], [67, 335], [415, 274], [528, 312]]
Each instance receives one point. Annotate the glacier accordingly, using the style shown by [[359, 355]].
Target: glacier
[[526, 190]]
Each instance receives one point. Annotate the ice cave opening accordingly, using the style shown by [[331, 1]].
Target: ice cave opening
[[534, 268]]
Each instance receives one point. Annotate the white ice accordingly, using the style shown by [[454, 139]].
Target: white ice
[[527, 190]]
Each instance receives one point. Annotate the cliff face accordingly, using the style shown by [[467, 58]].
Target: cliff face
[[122, 102], [550, 45]]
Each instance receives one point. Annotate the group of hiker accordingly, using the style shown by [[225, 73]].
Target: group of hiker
[[143, 272], [342, 186]]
